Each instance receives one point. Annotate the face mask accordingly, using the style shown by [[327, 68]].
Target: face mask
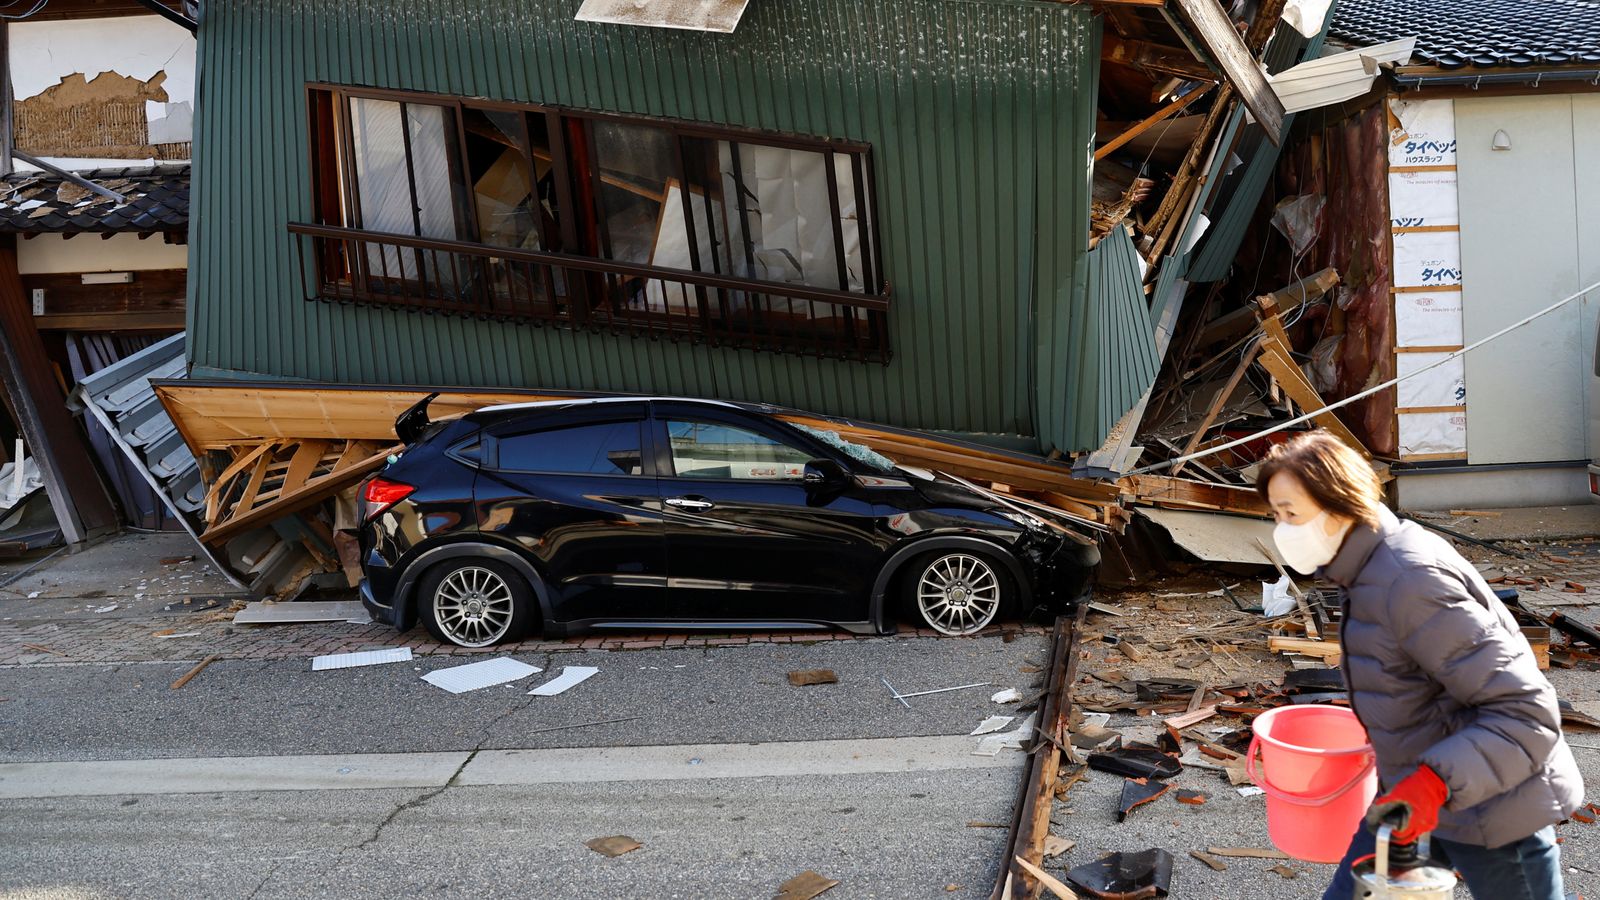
[[1308, 545]]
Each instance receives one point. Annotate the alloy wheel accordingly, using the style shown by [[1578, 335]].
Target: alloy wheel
[[473, 606], [958, 594]]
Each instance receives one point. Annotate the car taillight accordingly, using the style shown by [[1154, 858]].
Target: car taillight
[[381, 493]]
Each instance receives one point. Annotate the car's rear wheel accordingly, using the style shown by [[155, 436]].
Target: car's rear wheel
[[476, 603], [957, 592]]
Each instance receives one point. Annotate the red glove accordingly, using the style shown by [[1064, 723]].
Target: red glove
[[1417, 798]]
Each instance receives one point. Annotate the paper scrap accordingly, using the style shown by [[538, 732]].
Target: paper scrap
[[361, 658], [1251, 791], [570, 675], [185, 634], [1276, 598], [992, 744], [992, 724], [471, 677], [1009, 695]]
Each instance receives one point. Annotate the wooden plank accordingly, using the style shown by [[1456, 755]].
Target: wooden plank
[[240, 462], [1180, 492], [1269, 16], [112, 321], [1306, 646], [1154, 119], [151, 291], [305, 460], [1275, 359], [252, 487], [1222, 41]]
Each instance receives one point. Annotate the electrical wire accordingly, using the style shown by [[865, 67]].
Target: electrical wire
[[1156, 467], [32, 12]]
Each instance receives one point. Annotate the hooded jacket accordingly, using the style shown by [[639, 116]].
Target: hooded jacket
[[1439, 673]]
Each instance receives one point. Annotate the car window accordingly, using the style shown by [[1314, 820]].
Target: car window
[[713, 450], [601, 448]]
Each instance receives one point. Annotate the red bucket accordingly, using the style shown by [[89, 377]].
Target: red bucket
[[1319, 775]]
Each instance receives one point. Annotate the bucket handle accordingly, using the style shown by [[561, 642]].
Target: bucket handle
[[1300, 799]]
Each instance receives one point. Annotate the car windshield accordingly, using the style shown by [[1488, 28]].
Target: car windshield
[[872, 459]]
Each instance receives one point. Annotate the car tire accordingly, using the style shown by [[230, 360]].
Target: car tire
[[476, 602], [957, 592]]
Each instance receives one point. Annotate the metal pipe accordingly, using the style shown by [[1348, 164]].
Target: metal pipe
[[76, 179]]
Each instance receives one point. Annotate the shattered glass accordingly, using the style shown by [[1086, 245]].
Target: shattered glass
[[872, 458]]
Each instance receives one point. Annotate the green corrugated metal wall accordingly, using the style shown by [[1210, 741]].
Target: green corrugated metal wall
[[1101, 358], [981, 117]]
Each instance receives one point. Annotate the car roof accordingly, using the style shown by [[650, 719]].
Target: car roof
[[501, 411]]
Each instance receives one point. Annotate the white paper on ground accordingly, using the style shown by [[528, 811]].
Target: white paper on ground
[[1276, 598], [992, 724], [570, 675], [362, 658], [1009, 695], [992, 744], [470, 677], [1251, 791]]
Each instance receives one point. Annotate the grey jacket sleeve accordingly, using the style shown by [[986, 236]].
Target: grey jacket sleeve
[[1512, 720]]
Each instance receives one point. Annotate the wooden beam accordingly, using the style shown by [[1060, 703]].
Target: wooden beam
[[1282, 301], [55, 442], [1268, 16], [111, 321], [1156, 58], [302, 464], [1276, 360], [1161, 114], [1163, 490], [1222, 41]]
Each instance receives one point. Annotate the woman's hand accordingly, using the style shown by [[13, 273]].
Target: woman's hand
[[1417, 798]]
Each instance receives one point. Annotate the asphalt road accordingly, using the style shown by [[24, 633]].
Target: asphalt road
[[732, 831]]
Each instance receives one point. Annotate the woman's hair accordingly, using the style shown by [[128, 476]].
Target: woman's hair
[[1337, 477]]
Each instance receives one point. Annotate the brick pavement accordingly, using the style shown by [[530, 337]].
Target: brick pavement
[[79, 641]]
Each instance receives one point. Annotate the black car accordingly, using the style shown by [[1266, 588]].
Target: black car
[[645, 513]]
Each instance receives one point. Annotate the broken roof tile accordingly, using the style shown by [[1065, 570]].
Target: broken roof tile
[[1456, 34], [38, 202]]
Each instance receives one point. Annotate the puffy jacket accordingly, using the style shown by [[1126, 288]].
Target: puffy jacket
[[1439, 673]]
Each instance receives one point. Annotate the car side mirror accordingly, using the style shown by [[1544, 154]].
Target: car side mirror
[[824, 472]]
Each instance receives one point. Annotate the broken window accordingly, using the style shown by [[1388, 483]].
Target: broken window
[[525, 212]]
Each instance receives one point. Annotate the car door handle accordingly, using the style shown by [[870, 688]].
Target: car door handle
[[686, 503]]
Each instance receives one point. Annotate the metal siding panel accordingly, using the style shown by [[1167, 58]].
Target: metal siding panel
[[977, 112]]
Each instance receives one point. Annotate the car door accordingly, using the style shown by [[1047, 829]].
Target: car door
[[747, 538], [577, 491]]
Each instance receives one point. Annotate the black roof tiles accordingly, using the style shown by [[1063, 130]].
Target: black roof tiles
[[1455, 34], [38, 202]]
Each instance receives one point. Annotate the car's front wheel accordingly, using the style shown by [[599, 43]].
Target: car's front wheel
[[957, 592], [476, 603]]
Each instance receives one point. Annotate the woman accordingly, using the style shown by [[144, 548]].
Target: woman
[[1464, 725]]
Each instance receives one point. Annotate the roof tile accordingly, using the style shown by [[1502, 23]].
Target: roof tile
[[157, 200], [1456, 34]]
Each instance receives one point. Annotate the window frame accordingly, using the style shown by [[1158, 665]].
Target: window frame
[[335, 192]]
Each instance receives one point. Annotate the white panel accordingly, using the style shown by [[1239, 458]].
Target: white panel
[[1427, 133], [1432, 433], [1427, 258], [50, 253], [1441, 386], [1586, 140], [1418, 199], [1519, 249], [720, 16], [1428, 319]]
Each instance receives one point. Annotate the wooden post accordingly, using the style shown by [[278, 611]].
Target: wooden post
[[54, 440]]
